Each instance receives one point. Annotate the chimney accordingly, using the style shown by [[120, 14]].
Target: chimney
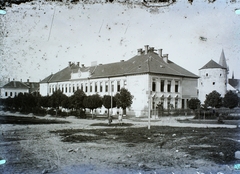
[[151, 49], [146, 49], [83, 65], [165, 58], [28, 80], [20, 80], [139, 51], [160, 53], [8, 79], [78, 63], [69, 63]]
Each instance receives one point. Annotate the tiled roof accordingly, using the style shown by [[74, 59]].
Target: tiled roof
[[15, 84], [234, 83], [33, 86], [222, 60], [144, 63], [212, 64]]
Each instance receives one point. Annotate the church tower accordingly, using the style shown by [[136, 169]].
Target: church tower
[[213, 76]]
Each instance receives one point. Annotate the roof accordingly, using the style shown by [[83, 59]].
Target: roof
[[223, 61], [235, 83], [212, 64], [33, 86], [16, 84], [139, 64]]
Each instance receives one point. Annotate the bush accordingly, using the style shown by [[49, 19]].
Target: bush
[[78, 114], [207, 115], [39, 111], [51, 112], [62, 113]]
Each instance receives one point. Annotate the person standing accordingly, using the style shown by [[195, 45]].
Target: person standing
[[120, 119]]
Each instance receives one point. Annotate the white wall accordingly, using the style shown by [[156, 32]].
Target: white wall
[[12, 92], [138, 86], [210, 80]]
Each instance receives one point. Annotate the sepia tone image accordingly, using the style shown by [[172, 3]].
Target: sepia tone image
[[119, 86]]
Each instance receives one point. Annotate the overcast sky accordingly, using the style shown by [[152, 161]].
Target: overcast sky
[[41, 38]]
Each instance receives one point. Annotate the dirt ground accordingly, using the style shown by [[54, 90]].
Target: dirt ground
[[92, 147]]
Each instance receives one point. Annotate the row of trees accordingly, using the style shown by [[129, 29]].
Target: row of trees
[[214, 100], [78, 102]]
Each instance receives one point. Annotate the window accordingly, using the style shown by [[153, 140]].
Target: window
[[73, 88], [183, 104], [220, 75], [118, 86], [77, 86], [154, 86], [6, 93], [11, 94], [66, 89], [95, 87], [81, 86], [86, 87], [112, 86], [91, 85], [176, 86], [206, 74], [162, 86], [176, 103], [62, 89], [213, 83], [101, 87], [169, 86], [106, 88]]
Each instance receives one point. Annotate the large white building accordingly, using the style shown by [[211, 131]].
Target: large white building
[[213, 76], [149, 76]]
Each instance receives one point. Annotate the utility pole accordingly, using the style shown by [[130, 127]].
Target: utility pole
[[149, 97]]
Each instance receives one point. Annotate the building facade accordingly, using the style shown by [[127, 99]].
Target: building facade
[[149, 76], [213, 76], [13, 88]]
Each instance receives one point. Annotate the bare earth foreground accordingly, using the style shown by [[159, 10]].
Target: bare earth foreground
[[47, 145]]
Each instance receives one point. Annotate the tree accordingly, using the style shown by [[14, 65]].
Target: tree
[[77, 98], [45, 101], [213, 99], [66, 102], [92, 102], [123, 99], [56, 99], [230, 100], [109, 102], [194, 103]]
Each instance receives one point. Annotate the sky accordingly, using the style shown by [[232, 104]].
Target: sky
[[40, 38]]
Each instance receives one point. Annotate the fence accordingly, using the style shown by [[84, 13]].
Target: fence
[[199, 113]]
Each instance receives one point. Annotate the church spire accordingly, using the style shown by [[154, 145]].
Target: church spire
[[223, 61]]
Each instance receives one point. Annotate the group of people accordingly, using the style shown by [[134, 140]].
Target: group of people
[[120, 117]]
